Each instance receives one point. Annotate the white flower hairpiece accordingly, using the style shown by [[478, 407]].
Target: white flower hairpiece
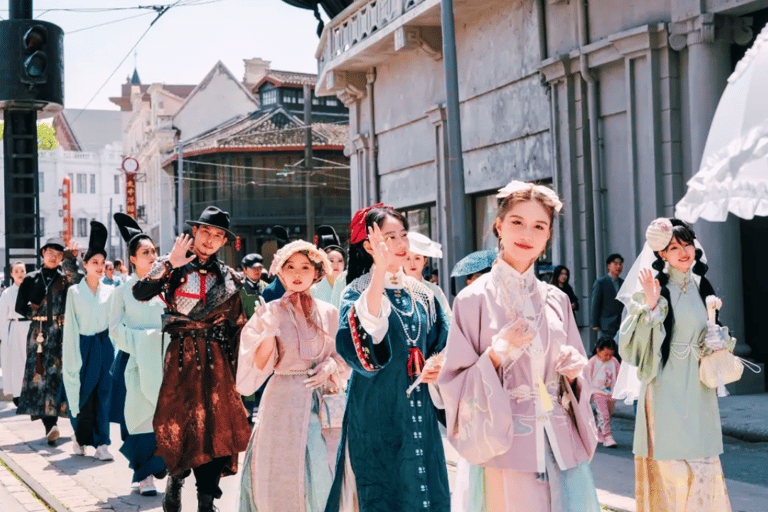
[[659, 234], [518, 186]]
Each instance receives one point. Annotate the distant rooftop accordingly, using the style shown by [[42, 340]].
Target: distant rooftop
[[88, 130]]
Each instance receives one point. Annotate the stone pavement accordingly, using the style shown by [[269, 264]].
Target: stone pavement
[[84, 484]]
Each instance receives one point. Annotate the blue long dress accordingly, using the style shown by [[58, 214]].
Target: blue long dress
[[390, 442]]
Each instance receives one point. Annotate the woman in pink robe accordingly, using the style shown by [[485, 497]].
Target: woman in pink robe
[[516, 403], [289, 461]]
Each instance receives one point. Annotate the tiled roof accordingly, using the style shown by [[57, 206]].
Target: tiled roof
[[290, 78], [271, 130]]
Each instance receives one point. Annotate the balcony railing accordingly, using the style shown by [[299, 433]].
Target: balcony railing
[[357, 22]]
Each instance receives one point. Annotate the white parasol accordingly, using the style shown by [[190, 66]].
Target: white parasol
[[733, 176]]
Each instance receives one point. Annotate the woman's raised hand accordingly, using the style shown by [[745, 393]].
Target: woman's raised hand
[[178, 257], [382, 256], [651, 287]]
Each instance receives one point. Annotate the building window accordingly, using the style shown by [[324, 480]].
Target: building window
[[315, 100], [269, 97], [332, 102], [82, 227], [71, 182], [93, 183], [117, 183], [82, 183]]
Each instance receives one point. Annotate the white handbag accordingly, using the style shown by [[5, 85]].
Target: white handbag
[[720, 367]]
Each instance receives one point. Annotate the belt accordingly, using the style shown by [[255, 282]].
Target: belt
[[45, 318], [213, 335], [292, 373]]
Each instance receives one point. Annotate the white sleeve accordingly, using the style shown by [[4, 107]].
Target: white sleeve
[[375, 326]]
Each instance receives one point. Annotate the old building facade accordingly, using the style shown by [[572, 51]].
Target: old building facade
[[609, 102]]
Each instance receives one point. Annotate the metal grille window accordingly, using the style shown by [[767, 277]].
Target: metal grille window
[[93, 183], [82, 227], [269, 97]]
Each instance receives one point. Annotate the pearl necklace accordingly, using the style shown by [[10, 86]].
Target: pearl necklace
[[400, 314]]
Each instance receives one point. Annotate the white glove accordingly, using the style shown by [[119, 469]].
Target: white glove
[[715, 337], [513, 337], [570, 363], [321, 373]]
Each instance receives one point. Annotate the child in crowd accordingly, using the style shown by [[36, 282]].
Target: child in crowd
[[602, 371]]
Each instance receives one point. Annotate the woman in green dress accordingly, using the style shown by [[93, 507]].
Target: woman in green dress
[[678, 438]]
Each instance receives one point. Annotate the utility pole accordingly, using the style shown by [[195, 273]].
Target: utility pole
[[31, 81], [453, 213], [308, 161]]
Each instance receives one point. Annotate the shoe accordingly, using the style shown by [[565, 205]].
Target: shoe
[[102, 453], [147, 486], [205, 503], [172, 498], [77, 449], [610, 442], [53, 435]]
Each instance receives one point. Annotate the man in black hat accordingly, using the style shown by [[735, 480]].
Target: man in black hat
[[200, 422], [42, 299]]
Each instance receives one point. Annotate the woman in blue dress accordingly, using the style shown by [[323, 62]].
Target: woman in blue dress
[[135, 328], [88, 352], [391, 452]]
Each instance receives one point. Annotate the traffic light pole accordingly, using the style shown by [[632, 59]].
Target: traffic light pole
[[31, 65]]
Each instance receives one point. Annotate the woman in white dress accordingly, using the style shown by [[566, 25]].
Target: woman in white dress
[[13, 336]]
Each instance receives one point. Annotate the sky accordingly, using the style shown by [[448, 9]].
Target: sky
[[180, 48]]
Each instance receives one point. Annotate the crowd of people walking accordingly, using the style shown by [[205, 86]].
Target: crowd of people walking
[[352, 361]]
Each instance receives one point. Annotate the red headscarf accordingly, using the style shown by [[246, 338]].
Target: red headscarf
[[357, 229]]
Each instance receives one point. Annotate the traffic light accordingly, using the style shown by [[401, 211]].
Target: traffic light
[[35, 61], [31, 65]]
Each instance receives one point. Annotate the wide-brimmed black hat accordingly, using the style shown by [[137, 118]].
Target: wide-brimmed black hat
[[251, 260], [129, 228], [281, 235], [216, 218], [55, 243], [326, 236], [97, 242]]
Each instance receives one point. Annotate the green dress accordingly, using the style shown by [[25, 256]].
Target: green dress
[[686, 415]]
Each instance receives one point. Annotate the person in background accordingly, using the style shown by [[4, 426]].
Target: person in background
[[602, 372], [88, 352], [275, 290], [109, 275], [252, 265], [605, 310], [120, 270], [13, 335], [434, 277], [421, 248], [560, 278], [329, 289], [42, 299]]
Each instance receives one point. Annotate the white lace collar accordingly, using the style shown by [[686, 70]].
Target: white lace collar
[[504, 271]]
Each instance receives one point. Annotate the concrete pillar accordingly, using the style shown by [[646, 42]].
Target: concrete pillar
[[709, 65]]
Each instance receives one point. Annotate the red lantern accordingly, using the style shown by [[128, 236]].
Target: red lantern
[[237, 243]]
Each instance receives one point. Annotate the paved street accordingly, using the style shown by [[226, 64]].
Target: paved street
[[85, 484]]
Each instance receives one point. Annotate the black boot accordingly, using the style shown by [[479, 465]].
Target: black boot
[[172, 498], [205, 503]]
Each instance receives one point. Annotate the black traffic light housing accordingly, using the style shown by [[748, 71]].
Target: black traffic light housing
[[31, 65]]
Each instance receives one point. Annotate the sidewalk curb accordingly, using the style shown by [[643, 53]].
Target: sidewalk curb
[[74, 496], [743, 435], [42, 493]]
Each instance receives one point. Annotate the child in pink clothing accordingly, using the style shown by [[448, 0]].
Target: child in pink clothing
[[601, 372]]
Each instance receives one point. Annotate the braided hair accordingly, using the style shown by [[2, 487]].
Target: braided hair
[[682, 233], [360, 261]]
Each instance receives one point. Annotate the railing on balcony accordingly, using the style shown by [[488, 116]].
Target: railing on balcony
[[359, 21]]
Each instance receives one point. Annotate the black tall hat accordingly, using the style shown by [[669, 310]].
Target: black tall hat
[[97, 243], [281, 234], [325, 236], [128, 227], [214, 217]]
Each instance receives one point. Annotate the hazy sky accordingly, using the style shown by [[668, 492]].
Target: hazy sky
[[180, 48]]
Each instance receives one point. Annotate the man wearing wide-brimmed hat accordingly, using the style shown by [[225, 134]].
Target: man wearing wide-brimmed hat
[[200, 422], [42, 299]]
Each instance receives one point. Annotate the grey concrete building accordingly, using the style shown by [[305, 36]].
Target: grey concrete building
[[609, 101]]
